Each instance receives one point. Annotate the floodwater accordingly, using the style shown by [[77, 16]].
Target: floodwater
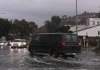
[[19, 59]]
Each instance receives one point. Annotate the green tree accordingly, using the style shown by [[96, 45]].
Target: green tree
[[22, 28], [5, 26], [48, 25], [98, 15], [65, 29], [19, 28], [53, 24], [55, 21]]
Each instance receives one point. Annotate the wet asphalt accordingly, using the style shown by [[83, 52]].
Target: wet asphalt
[[19, 59]]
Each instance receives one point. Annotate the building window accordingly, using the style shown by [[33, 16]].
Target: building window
[[98, 23], [98, 32]]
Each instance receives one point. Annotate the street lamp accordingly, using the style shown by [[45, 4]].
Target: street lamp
[[76, 19]]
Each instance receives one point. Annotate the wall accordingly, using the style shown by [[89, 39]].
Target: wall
[[93, 21], [92, 32]]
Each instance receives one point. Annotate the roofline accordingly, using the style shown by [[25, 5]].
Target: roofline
[[55, 33], [88, 28]]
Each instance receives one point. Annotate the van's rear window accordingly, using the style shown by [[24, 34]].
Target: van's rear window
[[70, 38], [74, 37], [51, 38]]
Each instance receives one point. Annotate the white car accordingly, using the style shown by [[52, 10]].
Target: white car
[[3, 43], [19, 43]]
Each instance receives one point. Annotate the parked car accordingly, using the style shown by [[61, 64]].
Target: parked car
[[19, 43], [54, 44], [3, 43]]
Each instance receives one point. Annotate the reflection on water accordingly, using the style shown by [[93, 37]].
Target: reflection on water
[[1, 47], [12, 58], [19, 59]]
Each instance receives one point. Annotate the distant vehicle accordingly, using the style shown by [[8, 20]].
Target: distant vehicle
[[3, 38], [54, 44], [3, 43], [19, 43]]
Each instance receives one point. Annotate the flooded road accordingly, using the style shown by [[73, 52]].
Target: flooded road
[[19, 59]]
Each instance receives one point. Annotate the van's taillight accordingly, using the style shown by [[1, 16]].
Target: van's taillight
[[63, 44], [79, 44]]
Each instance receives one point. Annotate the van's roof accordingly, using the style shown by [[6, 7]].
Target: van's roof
[[57, 33]]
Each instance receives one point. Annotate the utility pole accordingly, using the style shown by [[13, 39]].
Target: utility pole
[[76, 19]]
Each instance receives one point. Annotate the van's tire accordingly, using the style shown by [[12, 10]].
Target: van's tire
[[31, 54], [54, 53]]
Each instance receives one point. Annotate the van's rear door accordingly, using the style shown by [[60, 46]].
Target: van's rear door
[[70, 39], [70, 42], [49, 41]]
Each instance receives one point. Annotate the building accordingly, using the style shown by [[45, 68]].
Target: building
[[92, 28], [92, 31], [93, 21], [89, 31]]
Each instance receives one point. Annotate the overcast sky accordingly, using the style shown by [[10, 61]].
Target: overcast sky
[[41, 10]]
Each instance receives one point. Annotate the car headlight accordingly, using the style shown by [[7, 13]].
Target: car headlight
[[11, 44], [19, 44], [24, 43]]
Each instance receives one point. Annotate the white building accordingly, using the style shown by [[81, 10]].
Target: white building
[[92, 29], [79, 27], [93, 21]]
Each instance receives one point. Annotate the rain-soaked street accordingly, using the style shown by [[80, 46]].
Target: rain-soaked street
[[19, 59]]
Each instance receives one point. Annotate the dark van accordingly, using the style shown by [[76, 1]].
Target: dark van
[[54, 44]]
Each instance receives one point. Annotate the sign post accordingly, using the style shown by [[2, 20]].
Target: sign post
[[84, 39]]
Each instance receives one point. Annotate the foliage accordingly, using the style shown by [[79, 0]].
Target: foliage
[[64, 29], [5, 26], [48, 24], [53, 25], [98, 15], [19, 28], [97, 50]]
